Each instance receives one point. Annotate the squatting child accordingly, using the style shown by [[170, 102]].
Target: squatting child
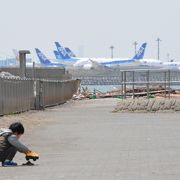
[[10, 144]]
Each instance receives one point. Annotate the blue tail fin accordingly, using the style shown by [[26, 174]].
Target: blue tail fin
[[70, 53], [140, 53], [62, 51], [43, 59], [57, 55]]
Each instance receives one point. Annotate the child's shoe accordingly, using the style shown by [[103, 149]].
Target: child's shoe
[[8, 163]]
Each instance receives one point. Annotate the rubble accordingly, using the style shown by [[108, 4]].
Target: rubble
[[155, 91], [4, 74], [148, 105]]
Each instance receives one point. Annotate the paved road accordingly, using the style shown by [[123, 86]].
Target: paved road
[[85, 141]]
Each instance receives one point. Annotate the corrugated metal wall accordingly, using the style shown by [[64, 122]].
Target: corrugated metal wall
[[18, 95], [15, 95], [55, 92]]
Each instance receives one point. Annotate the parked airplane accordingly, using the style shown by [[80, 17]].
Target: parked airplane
[[8, 61], [116, 62], [106, 62], [65, 55], [70, 53], [58, 55], [119, 62], [45, 61], [151, 63], [171, 65]]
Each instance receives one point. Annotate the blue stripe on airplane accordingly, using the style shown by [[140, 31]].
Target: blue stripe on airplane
[[117, 62]]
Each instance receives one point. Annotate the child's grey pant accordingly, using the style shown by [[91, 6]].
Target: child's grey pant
[[8, 154]]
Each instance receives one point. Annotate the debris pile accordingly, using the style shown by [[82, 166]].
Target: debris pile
[[148, 105], [154, 91], [4, 74]]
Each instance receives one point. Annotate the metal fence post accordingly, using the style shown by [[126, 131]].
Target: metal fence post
[[165, 83], [1, 96], [147, 84], [169, 78], [33, 69], [122, 79], [39, 97], [124, 84], [133, 85]]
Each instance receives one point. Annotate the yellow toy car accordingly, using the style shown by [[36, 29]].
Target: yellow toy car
[[32, 155]]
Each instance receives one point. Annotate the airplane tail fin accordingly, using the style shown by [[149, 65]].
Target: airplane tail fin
[[42, 58], [62, 51], [70, 53], [57, 55], [140, 53]]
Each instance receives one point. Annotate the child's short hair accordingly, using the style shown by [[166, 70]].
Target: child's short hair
[[17, 127]]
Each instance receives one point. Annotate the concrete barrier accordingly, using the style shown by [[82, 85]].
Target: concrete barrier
[[148, 105]]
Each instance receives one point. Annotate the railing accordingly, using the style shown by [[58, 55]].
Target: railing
[[130, 76], [132, 79]]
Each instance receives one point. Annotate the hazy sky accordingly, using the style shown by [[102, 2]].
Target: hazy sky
[[91, 26]]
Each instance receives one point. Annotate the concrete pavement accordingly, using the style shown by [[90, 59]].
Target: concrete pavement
[[84, 140]]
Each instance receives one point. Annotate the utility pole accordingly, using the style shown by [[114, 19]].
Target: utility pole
[[135, 47], [112, 48], [158, 53]]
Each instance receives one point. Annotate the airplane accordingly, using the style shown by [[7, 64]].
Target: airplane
[[70, 53], [45, 61], [106, 62], [117, 62], [65, 56], [171, 65], [57, 55], [151, 63], [7, 61]]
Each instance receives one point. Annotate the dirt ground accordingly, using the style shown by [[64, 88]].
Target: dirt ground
[[30, 119]]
